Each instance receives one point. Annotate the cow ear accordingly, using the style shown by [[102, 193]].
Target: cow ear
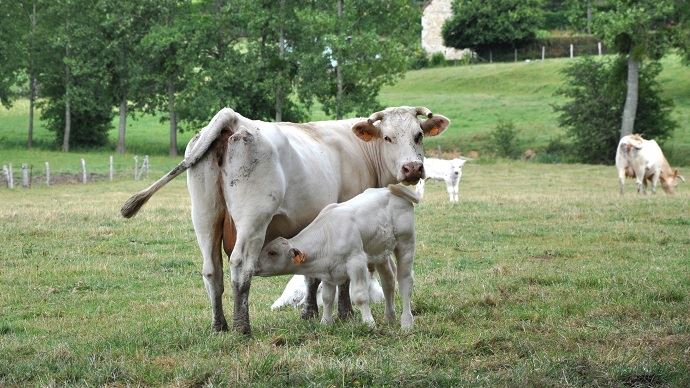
[[366, 131], [298, 257], [435, 125]]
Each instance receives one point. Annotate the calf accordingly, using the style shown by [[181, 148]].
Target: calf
[[449, 171], [643, 160], [295, 292], [345, 241]]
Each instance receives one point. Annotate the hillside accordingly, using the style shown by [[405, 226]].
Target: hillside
[[474, 97]]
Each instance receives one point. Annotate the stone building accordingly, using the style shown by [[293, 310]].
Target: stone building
[[435, 13]]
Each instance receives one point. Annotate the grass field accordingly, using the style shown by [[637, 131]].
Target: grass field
[[540, 276]]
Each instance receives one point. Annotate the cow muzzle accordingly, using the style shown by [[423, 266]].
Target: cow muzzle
[[412, 172]]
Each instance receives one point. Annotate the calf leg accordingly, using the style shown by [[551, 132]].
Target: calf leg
[[328, 295], [359, 290], [449, 189], [404, 253], [388, 285], [344, 302], [420, 188], [456, 193], [311, 308], [655, 180]]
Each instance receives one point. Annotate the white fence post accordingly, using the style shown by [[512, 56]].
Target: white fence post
[[146, 166], [47, 174], [83, 170], [136, 167], [543, 52], [10, 176], [26, 176], [111, 168], [571, 50], [599, 47], [6, 171]]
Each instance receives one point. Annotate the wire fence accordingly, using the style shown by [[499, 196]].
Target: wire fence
[[28, 175]]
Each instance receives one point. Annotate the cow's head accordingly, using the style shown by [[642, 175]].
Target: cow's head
[[398, 134], [669, 183], [280, 257]]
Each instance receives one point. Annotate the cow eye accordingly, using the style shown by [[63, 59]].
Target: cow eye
[[388, 139], [271, 253], [418, 138]]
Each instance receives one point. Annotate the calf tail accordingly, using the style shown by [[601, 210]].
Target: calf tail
[[402, 192], [197, 148]]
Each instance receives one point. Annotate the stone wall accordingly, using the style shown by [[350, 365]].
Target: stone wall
[[435, 13]]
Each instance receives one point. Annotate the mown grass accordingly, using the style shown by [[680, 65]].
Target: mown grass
[[541, 275]]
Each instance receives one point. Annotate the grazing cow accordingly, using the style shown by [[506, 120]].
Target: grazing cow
[[252, 181], [295, 293], [643, 160], [345, 241], [449, 171]]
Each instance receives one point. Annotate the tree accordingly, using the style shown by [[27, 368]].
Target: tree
[[353, 48], [637, 29], [11, 50], [596, 90], [73, 74], [481, 25]]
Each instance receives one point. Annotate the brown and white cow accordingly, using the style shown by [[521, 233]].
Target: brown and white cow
[[643, 160], [252, 181]]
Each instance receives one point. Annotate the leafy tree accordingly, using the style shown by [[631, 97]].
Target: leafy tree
[[11, 32], [353, 48], [73, 74], [596, 90], [637, 29], [482, 25]]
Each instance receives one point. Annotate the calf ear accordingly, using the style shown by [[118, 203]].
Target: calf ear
[[435, 125], [366, 131], [677, 175], [298, 257]]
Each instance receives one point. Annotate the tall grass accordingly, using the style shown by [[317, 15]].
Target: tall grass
[[541, 275]]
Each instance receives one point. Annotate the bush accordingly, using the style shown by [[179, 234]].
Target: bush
[[558, 150], [437, 59], [504, 140], [596, 90]]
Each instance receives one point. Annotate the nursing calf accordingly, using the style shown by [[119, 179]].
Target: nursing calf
[[345, 241], [643, 160]]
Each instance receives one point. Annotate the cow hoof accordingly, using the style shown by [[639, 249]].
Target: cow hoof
[[220, 326], [243, 329], [309, 313]]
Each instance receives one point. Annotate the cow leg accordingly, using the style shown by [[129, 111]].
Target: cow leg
[[208, 211], [404, 253], [311, 308], [344, 301], [328, 295], [388, 285], [621, 179]]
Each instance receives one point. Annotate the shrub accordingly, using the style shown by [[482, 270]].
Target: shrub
[[596, 89], [437, 59], [504, 140]]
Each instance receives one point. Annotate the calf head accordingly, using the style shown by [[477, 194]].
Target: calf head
[[456, 166], [669, 182], [398, 134], [280, 257]]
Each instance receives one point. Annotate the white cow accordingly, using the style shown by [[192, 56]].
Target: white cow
[[295, 293], [449, 171], [345, 241], [252, 181], [643, 160]]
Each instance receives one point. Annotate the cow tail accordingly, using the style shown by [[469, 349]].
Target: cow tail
[[402, 192], [197, 148]]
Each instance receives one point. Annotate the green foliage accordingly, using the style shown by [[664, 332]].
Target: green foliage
[[596, 91], [504, 141], [482, 25], [13, 23], [437, 59]]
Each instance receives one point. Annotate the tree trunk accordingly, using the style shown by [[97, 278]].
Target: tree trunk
[[173, 119], [68, 111], [32, 77], [122, 126], [32, 98], [339, 74], [589, 17], [630, 109], [281, 54]]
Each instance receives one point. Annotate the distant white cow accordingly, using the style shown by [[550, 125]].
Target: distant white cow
[[346, 241], [643, 160], [449, 171], [295, 293]]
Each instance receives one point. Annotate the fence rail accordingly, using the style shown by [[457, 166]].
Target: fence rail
[[49, 178]]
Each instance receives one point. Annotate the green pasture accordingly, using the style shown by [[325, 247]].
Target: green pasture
[[541, 276], [475, 98]]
